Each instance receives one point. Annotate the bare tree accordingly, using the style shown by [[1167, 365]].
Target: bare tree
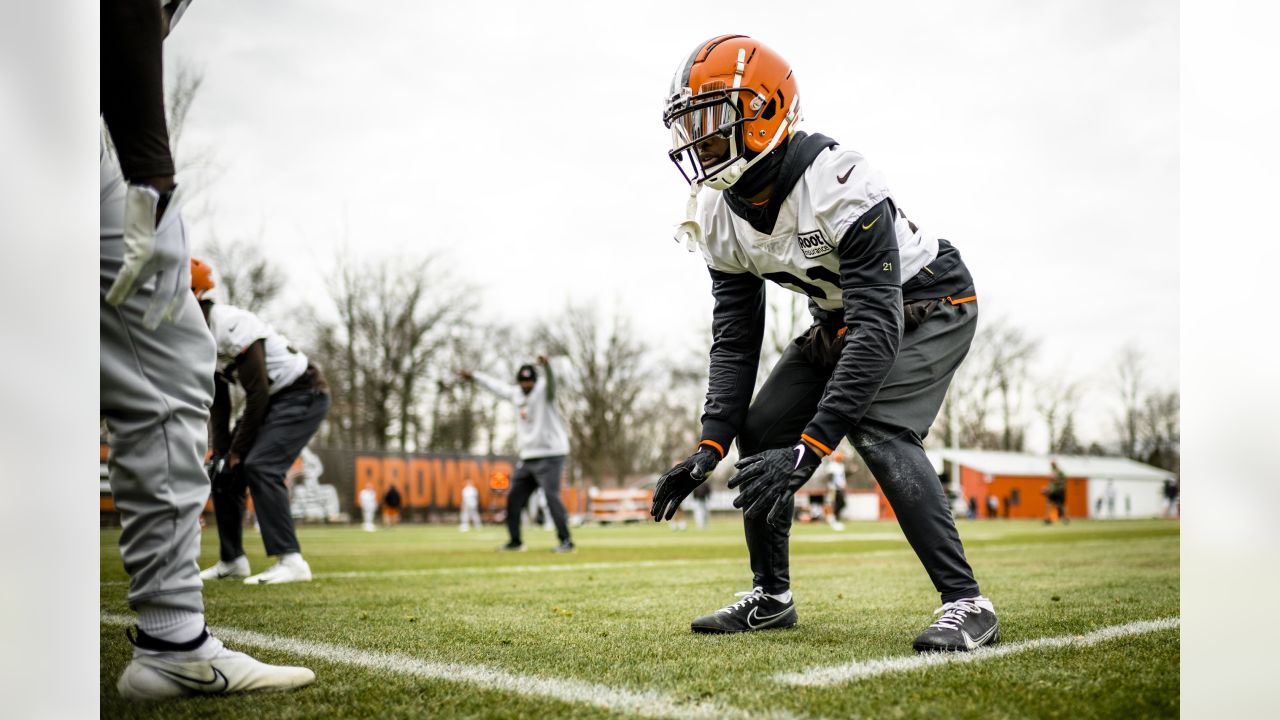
[[246, 278], [988, 390], [1057, 401], [602, 395], [1161, 434], [1131, 388], [393, 317]]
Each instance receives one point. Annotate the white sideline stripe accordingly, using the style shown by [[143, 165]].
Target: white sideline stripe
[[861, 670], [644, 703]]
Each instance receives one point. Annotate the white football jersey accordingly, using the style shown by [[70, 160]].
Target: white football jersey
[[836, 190], [234, 330]]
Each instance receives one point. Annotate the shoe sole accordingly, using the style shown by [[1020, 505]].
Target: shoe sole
[[995, 638]]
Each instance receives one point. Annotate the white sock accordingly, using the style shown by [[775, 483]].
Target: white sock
[[170, 624], [783, 598]]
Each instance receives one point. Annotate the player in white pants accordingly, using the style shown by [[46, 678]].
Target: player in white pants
[[155, 391], [470, 514], [369, 507]]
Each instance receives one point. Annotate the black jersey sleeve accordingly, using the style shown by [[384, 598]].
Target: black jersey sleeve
[[872, 290], [737, 330], [132, 100]]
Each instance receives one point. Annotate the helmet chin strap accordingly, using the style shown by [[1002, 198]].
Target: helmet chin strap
[[690, 232]]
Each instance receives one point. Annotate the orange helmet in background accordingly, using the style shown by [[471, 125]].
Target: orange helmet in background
[[736, 87], [201, 278]]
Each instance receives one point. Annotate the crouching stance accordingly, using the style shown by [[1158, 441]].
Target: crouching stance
[[286, 399], [894, 312]]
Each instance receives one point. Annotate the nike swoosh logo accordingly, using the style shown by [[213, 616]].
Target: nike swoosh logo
[[799, 456], [767, 619], [973, 644], [869, 225], [842, 178], [204, 686]]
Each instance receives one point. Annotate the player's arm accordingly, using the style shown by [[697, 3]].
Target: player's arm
[[551, 377], [872, 290], [251, 368], [510, 393], [737, 330], [220, 417], [133, 92]]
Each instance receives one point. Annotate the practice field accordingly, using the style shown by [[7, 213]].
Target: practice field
[[425, 621]]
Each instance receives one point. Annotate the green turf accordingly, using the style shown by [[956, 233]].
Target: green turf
[[861, 595]]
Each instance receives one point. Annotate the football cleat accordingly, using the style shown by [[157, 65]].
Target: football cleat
[[511, 547], [289, 568], [966, 624], [210, 669], [565, 547], [234, 570], [755, 611]]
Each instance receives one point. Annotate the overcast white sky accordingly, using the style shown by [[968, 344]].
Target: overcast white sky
[[524, 141]]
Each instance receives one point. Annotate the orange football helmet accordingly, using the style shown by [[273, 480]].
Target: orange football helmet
[[735, 87], [201, 278]]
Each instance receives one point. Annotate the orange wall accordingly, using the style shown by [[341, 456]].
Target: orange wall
[[437, 482], [1031, 503]]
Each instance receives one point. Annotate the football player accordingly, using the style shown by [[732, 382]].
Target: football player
[[155, 379], [286, 399], [894, 311]]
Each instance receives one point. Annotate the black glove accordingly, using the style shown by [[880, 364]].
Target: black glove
[[768, 480], [680, 480], [215, 467]]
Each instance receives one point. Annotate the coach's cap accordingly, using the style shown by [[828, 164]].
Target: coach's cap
[[526, 372]]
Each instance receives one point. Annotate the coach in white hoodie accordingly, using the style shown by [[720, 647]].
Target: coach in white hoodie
[[543, 444]]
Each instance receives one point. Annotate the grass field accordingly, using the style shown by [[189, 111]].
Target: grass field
[[424, 621]]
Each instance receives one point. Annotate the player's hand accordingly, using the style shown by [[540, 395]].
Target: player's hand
[[675, 486], [466, 375], [542, 360], [216, 466], [233, 460], [155, 245], [768, 480]]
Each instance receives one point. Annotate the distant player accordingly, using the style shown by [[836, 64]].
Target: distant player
[[1055, 492], [286, 399], [894, 313], [543, 443], [391, 501], [470, 512], [835, 489], [369, 507], [155, 379]]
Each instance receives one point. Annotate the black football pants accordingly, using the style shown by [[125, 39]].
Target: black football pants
[[888, 438], [530, 475], [293, 416]]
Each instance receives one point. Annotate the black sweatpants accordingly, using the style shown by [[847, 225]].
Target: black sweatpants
[[293, 416], [888, 438], [530, 475]]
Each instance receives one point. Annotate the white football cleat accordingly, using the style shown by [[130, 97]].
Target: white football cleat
[[210, 669], [289, 568], [233, 570]]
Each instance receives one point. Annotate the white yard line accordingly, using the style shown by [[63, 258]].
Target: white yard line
[[643, 703], [861, 670]]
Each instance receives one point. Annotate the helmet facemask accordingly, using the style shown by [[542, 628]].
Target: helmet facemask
[[715, 111]]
